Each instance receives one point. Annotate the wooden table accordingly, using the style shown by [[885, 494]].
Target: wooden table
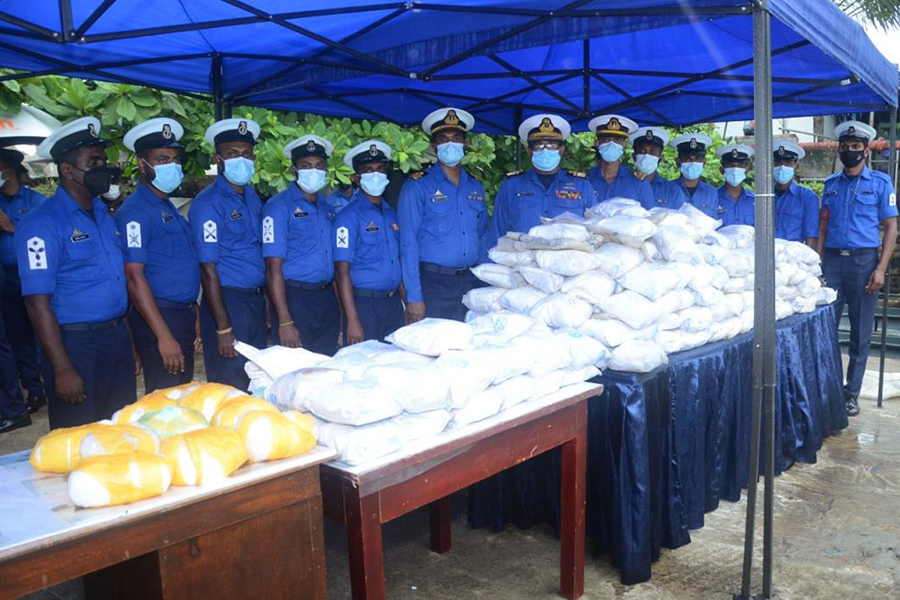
[[258, 534], [363, 497]]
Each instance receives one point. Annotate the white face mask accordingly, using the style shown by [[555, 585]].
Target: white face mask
[[373, 183], [113, 192], [311, 180]]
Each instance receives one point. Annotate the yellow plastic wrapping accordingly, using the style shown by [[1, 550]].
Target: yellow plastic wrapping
[[208, 397], [149, 403], [119, 439], [118, 479], [204, 456], [177, 392], [271, 435], [231, 412], [60, 450], [173, 420]]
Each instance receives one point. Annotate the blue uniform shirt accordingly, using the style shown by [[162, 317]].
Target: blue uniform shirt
[[705, 198], [338, 202], [666, 193], [741, 212], [856, 207], [522, 200], [299, 232], [157, 236], [16, 207], [226, 228], [441, 224], [797, 213], [75, 257], [369, 239], [625, 185]]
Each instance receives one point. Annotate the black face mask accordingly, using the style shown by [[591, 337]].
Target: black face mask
[[98, 179], [851, 158]]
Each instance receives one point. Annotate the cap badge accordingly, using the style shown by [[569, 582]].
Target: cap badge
[[613, 125], [373, 150], [242, 128], [167, 131], [734, 153], [310, 146], [781, 151], [92, 130], [451, 118], [851, 130], [546, 126], [693, 142], [649, 134]]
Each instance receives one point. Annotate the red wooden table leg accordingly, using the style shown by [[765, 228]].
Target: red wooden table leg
[[439, 519], [573, 488], [362, 517]]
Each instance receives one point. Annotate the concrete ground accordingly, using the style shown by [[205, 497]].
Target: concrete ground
[[837, 535]]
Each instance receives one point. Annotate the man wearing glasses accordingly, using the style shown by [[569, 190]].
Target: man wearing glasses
[[545, 190]]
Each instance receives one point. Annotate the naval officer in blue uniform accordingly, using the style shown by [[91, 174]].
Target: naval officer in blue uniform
[[610, 177], [161, 268], [796, 206], [367, 250], [648, 144], [71, 264], [16, 201], [297, 230], [225, 223], [856, 201], [443, 224], [545, 190], [691, 161], [342, 196], [736, 203]]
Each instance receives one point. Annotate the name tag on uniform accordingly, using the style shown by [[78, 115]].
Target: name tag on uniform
[[395, 226], [721, 210], [867, 193], [439, 197], [523, 194], [235, 215], [372, 227], [476, 197], [166, 217], [299, 214], [79, 236], [830, 193]]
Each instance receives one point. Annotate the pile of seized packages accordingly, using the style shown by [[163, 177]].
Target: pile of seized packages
[[619, 288]]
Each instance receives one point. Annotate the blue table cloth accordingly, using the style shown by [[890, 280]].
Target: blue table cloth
[[665, 447]]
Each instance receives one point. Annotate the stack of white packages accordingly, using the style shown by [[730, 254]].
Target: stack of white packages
[[643, 283]]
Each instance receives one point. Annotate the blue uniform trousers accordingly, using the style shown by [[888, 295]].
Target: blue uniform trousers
[[247, 311], [314, 310], [20, 334], [379, 316], [103, 359], [443, 291], [179, 317], [848, 275], [12, 404]]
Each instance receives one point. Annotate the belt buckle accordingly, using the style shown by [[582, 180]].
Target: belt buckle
[[845, 253], [391, 293]]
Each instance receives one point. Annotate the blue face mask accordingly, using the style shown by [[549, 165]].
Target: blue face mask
[[167, 177], [783, 174], [373, 183], [610, 151], [692, 170], [646, 163], [311, 180], [239, 170], [450, 153], [545, 160], [735, 176]]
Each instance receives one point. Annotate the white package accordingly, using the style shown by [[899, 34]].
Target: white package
[[548, 384], [669, 216], [561, 231], [637, 356], [356, 445], [521, 299], [508, 359], [783, 309], [580, 375], [694, 339], [802, 304], [403, 357], [567, 263], [505, 322], [701, 223], [734, 285], [417, 389], [784, 273], [497, 275], [517, 390], [786, 292], [708, 296], [584, 350], [592, 287], [564, 217], [676, 245], [471, 315], [616, 259], [612, 332], [482, 405], [825, 295], [714, 238], [675, 301], [631, 308], [353, 403], [712, 255], [696, 318], [630, 231], [652, 280], [798, 252], [369, 349], [468, 372], [424, 425], [561, 310], [650, 251], [511, 259], [265, 366], [670, 321], [484, 299], [671, 341], [290, 392], [612, 207], [549, 352], [709, 276], [432, 337], [741, 236], [354, 364], [542, 280], [735, 303]]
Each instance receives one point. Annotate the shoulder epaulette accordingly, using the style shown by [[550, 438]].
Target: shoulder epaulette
[[581, 174], [881, 175], [415, 176], [833, 175], [514, 173]]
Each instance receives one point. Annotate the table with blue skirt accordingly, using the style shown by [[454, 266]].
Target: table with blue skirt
[[665, 447]]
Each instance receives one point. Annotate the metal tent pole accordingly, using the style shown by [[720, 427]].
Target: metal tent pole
[[764, 304], [216, 74], [886, 290], [518, 118]]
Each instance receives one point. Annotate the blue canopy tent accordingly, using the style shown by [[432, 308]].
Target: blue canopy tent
[[657, 61]]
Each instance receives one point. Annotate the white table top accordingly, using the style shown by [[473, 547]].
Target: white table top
[[35, 509]]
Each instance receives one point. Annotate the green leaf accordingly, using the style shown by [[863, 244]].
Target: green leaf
[[145, 100], [126, 109]]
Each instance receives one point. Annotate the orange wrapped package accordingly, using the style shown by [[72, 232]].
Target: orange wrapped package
[[208, 397], [271, 435], [204, 456], [230, 412], [118, 479]]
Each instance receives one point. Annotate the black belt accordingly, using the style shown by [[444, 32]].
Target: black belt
[[163, 303], [850, 251], [433, 268], [302, 285], [102, 325], [252, 290], [374, 293]]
